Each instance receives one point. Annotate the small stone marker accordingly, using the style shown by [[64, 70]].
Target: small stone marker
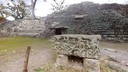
[[84, 46]]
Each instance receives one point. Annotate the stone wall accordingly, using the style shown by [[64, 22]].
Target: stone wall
[[3, 32], [27, 27]]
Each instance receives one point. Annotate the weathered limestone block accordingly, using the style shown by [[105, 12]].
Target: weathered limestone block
[[78, 45], [92, 65], [62, 60]]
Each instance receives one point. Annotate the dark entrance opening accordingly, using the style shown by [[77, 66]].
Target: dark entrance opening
[[58, 31], [76, 59]]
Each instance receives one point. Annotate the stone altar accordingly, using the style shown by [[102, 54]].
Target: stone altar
[[84, 46]]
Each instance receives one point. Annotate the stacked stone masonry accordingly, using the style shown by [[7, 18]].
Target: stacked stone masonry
[[26, 27], [84, 46]]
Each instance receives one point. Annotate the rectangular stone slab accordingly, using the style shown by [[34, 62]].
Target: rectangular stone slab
[[78, 45], [92, 65]]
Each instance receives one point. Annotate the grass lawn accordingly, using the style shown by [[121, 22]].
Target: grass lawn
[[12, 43]]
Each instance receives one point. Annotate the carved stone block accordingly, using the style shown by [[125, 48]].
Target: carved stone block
[[84, 47], [78, 45]]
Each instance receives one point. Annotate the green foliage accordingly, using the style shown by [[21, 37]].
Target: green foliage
[[17, 9], [58, 5], [38, 70], [2, 11]]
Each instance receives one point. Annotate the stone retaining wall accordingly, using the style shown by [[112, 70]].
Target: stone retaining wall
[[25, 27]]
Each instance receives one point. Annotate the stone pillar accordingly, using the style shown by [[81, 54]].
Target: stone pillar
[[62, 60], [92, 65]]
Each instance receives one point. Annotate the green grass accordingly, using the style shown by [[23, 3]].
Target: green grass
[[12, 43], [38, 70]]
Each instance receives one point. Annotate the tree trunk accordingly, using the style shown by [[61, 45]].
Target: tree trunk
[[33, 13], [33, 7]]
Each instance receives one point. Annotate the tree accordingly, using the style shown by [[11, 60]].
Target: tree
[[17, 9], [33, 4], [58, 5], [1, 10]]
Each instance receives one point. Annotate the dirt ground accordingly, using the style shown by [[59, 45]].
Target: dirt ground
[[13, 61], [112, 45]]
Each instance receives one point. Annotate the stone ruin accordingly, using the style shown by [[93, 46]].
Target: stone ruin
[[83, 47]]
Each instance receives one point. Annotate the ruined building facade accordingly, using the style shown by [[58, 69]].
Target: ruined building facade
[[109, 22]]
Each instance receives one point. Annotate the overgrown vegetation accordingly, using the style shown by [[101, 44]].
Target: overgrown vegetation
[[17, 9], [58, 5]]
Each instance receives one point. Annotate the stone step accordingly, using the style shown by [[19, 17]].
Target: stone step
[[27, 34]]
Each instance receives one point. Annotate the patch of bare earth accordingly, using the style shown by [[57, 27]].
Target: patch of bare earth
[[116, 55], [14, 61]]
